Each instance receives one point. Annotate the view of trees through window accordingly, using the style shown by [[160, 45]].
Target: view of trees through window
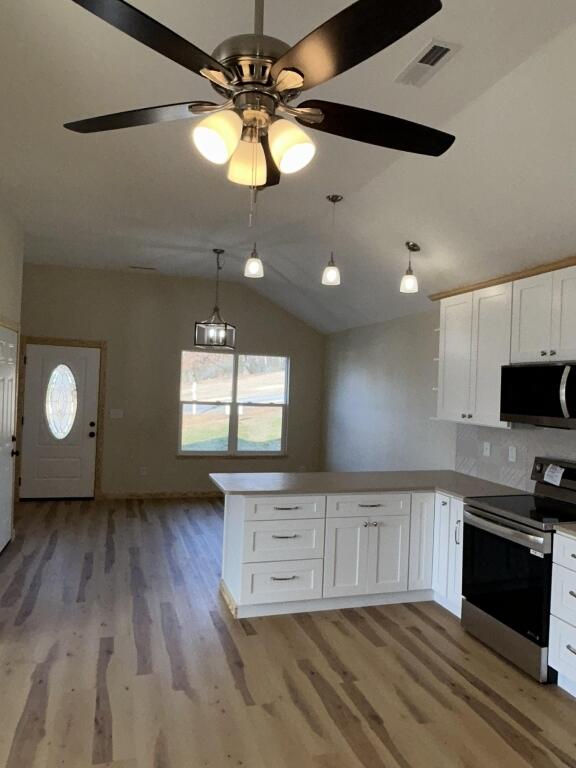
[[233, 403]]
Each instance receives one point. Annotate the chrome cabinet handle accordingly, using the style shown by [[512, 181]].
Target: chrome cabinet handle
[[572, 650], [470, 415], [552, 352], [444, 503], [366, 523], [285, 509], [543, 353], [293, 536], [283, 578], [572, 593], [375, 525], [463, 415], [370, 506], [573, 555], [456, 532]]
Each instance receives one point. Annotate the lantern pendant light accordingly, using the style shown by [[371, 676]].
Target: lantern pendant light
[[215, 332], [409, 283], [253, 268], [331, 274]]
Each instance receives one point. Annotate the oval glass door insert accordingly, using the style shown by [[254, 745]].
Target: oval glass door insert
[[61, 402]]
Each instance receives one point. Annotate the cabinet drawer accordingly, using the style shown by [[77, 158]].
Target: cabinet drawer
[[367, 505], [564, 552], [267, 540], [564, 594], [562, 650], [284, 507], [279, 582]]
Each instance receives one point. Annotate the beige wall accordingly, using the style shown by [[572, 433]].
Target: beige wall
[[11, 257], [147, 321], [380, 400]]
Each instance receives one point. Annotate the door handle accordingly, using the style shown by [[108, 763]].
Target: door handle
[[14, 453]]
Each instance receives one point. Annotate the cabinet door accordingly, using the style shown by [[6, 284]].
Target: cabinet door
[[455, 350], [563, 343], [455, 550], [531, 319], [421, 541], [346, 556], [491, 330], [441, 539], [388, 554]]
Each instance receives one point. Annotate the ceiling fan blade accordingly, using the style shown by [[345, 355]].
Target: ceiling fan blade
[[376, 128], [152, 33], [146, 116], [352, 36], [272, 173]]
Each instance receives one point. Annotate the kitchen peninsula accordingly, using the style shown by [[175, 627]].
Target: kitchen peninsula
[[324, 540]]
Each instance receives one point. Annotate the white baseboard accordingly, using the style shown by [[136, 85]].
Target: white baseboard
[[455, 608], [330, 604], [567, 684]]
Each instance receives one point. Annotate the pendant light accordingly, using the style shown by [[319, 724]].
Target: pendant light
[[215, 332], [409, 283], [331, 274], [253, 268]]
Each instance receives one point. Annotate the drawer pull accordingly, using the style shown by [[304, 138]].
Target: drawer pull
[[571, 649], [286, 509], [370, 506], [293, 536], [572, 593], [283, 578]]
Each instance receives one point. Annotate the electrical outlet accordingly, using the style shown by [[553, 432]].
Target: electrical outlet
[[486, 449], [143, 471], [512, 453]]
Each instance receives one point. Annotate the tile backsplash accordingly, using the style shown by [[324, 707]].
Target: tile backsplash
[[529, 442]]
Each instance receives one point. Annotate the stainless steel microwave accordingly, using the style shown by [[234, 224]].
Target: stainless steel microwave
[[542, 394]]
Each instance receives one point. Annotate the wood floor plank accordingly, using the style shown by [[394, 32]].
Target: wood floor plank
[[116, 650]]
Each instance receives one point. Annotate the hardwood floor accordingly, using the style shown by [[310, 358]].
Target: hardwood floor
[[116, 650]]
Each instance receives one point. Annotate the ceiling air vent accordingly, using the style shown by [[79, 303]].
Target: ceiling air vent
[[428, 63]]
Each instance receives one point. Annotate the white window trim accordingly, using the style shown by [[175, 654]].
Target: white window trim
[[231, 453]]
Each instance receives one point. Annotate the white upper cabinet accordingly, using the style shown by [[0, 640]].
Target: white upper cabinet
[[491, 324], [455, 351], [544, 317], [532, 319], [474, 345], [563, 344]]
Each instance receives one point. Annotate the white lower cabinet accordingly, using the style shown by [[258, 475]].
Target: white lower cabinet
[[421, 559], [448, 544], [282, 581], [562, 644], [366, 556]]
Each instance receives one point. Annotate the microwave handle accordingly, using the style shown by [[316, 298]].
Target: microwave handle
[[563, 385]]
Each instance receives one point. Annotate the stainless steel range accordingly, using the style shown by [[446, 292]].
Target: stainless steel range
[[507, 568]]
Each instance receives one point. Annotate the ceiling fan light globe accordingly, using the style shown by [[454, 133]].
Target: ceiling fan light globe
[[331, 275], [248, 165], [254, 267], [409, 283], [292, 149], [217, 136]]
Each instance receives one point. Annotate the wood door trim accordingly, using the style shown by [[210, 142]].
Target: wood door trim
[[48, 341], [510, 277]]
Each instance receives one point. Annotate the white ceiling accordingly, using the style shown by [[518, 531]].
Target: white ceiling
[[502, 198]]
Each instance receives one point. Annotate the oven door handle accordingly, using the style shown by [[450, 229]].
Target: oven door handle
[[503, 532]]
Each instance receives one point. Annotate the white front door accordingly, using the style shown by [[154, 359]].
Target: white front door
[[60, 422], [8, 357]]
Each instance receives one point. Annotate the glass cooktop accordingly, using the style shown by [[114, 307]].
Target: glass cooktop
[[537, 511]]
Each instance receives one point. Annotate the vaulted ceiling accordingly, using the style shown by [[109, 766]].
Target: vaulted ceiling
[[501, 198]]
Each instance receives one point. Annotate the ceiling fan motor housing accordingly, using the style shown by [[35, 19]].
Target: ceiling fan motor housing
[[250, 58]]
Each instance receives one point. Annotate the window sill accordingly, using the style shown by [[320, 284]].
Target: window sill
[[228, 456]]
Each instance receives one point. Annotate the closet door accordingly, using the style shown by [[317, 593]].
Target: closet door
[[491, 324], [455, 350]]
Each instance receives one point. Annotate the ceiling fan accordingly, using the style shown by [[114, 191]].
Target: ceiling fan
[[259, 76]]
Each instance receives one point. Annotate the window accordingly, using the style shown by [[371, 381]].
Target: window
[[233, 404], [61, 402]]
